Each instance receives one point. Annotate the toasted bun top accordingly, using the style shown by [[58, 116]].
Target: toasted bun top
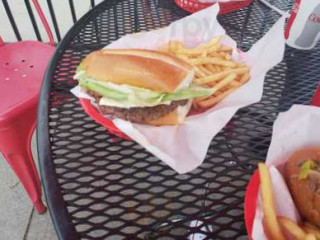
[[305, 192], [299, 157], [153, 70]]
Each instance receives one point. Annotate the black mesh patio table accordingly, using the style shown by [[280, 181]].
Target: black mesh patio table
[[99, 186]]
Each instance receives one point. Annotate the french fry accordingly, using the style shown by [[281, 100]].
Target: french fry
[[225, 81], [213, 42], [241, 65], [182, 56], [221, 75], [205, 70], [217, 69], [270, 217], [227, 57], [245, 78], [216, 54], [214, 68], [217, 61], [195, 51], [310, 228], [199, 73], [291, 227], [225, 49], [310, 236], [220, 68], [224, 55], [234, 83], [211, 68], [215, 99], [225, 68], [174, 46], [204, 54], [165, 49], [187, 51], [212, 49]]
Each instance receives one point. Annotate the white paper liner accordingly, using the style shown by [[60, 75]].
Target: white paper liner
[[295, 129], [184, 147]]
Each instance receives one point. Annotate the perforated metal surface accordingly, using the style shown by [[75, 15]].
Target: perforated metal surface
[[102, 187]]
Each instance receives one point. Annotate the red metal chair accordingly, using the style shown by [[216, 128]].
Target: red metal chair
[[22, 67]]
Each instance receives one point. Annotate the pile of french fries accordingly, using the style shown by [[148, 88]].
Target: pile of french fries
[[214, 68], [277, 226]]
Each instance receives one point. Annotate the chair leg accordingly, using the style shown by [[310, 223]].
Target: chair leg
[[15, 145]]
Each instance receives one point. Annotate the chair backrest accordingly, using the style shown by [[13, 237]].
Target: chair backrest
[[44, 21], [41, 15]]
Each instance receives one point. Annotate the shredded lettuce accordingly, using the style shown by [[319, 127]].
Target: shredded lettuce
[[106, 92], [131, 96], [306, 168], [189, 93]]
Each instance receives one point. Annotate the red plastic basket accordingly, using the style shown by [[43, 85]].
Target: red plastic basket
[[250, 202], [99, 118], [225, 7]]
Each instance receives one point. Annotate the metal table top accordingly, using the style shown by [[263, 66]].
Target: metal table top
[[101, 187]]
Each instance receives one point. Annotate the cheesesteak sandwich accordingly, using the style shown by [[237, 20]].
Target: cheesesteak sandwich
[[140, 86]]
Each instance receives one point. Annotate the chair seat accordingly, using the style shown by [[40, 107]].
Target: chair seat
[[22, 67]]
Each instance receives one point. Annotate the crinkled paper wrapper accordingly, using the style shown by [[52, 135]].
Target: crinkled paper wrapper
[[295, 129], [184, 147]]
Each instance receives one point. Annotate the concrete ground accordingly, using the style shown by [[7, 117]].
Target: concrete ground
[[18, 220]]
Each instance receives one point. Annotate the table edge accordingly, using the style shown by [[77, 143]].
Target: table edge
[[52, 191]]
